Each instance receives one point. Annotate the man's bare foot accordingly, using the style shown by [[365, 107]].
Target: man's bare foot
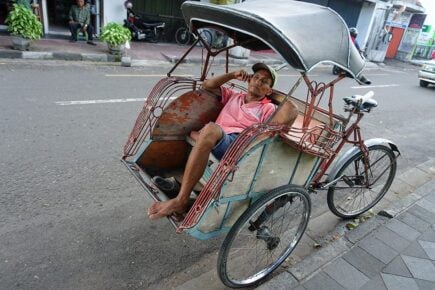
[[165, 208]]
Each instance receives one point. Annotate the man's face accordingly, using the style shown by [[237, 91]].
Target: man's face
[[260, 84], [80, 3]]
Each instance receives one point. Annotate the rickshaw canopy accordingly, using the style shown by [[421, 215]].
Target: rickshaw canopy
[[304, 34]]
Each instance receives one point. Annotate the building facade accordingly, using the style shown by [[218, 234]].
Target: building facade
[[387, 28]]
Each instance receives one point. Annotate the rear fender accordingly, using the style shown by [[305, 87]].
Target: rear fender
[[356, 150]]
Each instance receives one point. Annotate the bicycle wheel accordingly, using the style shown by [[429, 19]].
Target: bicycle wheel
[[206, 36], [182, 36], [264, 236], [353, 194]]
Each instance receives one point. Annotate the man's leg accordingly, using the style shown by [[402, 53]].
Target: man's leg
[[194, 170], [73, 29], [90, 31]]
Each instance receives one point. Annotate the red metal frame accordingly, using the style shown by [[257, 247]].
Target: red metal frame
[[320, 140]]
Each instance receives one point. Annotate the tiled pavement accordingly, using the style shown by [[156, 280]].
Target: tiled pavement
[[396, 253]]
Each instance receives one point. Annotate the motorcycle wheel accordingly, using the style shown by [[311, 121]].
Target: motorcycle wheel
[[155, 37], [182, 36]]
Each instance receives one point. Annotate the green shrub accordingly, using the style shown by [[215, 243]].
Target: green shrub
[[22, 22], [115, 34]]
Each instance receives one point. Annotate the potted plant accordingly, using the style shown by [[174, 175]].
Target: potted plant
[[24, 27], [116, 36]]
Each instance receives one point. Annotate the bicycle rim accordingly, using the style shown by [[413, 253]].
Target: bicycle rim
[[249, 253], [357, 190]]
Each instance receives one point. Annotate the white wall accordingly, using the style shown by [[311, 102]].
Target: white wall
[[365, 22], [114, 11]]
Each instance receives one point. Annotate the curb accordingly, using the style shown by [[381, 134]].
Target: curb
[[69, 56], [125, 60]]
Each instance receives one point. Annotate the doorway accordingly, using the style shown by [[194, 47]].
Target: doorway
[[397, 34], [57, 15]]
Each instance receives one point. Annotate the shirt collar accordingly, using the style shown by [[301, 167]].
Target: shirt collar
[[265, 100]]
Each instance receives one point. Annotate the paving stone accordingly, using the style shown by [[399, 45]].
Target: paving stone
[[394, 282], [281, 282], [345, 274], [425, 285], [67, 56], [391, 239], [415, 177], [429, 235], [399, 206], [313, 262], [422, 213], [375, 283], [427, 189], [415, 250], [431, 197], [37, 55], [299, 288], [366, 228], [397, 267], [403, 230], [94, 57], [428, 166], [378, 249], [414, 222], [322, 281], [323, 225], [429, 248], [11, 54], [420, 268], [364, 262], [427, 205], [400, 188], [304, 249]]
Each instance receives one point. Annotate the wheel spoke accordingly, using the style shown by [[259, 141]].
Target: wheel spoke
[[354, 193], [252, 254]]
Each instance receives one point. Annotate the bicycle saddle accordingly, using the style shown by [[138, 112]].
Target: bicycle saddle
[[362, 103]]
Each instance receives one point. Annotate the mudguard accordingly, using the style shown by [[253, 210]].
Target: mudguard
[[356, 150]]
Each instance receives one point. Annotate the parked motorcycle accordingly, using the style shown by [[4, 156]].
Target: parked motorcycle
[[142, 29]]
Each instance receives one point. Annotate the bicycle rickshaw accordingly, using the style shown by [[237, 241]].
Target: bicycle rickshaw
[[258, 193]]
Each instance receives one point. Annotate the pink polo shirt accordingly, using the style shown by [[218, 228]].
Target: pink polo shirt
[[237, 116]]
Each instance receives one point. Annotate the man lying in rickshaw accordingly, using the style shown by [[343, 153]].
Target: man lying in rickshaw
[[241, 110]]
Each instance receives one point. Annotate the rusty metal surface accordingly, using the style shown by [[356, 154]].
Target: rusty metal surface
[[164, 155], [189, 112], [153, 108]]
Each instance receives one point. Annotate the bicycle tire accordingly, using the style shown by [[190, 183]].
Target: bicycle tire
[[350, 189], [271, 214], [182, 36]]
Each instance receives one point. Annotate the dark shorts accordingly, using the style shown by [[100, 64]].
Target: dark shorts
[[223, 144]]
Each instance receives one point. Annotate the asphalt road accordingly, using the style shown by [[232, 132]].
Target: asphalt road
[[71, 216]]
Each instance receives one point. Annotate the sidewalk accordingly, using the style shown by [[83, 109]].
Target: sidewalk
[[140, 53], [393, 250]]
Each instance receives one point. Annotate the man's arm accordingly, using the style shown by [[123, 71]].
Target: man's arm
[[87, 18], [213, 85], [70, 14]]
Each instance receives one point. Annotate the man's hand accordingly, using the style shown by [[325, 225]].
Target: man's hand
[[242, 75]]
